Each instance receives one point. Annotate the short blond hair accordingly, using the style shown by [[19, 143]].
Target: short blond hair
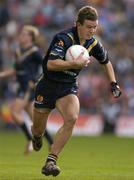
[[87, 12], [33, 31]]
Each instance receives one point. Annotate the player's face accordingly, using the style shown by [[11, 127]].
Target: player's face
[[87, 29], [24, 37]]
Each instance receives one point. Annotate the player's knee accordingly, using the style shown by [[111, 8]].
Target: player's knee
[[37, 131], [70, 120]]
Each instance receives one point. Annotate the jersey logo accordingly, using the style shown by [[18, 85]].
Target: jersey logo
[[60, 43], [59, 50], [40, 98]]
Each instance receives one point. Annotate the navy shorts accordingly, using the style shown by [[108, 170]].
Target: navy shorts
[[47, 92]]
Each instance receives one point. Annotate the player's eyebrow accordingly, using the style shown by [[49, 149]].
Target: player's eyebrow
[[91, 26]]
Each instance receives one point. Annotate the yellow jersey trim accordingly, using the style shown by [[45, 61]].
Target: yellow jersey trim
[[92, 45], [72, 38]]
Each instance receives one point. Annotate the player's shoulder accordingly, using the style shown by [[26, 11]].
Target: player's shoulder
[[34, 48], [35, 52], [66, 35], [95, 42]]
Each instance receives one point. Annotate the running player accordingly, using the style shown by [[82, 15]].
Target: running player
[[58, 87]]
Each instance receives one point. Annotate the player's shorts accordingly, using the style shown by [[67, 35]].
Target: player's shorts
[[47, 92], [21, 94]]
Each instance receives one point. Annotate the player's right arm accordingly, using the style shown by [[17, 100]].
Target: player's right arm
[[7, 73], [56, 59], [60, 65]]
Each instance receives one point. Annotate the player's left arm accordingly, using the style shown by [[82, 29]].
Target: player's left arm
[[102, 56], [115, 89]]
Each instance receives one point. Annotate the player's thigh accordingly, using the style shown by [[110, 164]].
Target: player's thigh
[[40, 116], [29, 109], [68, 106]]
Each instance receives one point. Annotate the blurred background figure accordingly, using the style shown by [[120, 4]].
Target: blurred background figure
[[28, 60], [50, 16]]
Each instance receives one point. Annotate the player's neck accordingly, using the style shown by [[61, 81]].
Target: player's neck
[[82, 41]]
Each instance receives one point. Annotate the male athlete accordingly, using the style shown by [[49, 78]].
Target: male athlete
[[58, 87], [28, 60]]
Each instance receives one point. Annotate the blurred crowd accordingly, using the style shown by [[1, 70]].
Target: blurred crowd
[[115, 31]]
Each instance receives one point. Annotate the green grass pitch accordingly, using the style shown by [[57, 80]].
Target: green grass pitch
[[84, 158]]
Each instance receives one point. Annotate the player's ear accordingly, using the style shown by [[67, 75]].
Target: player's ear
[[78, 24]]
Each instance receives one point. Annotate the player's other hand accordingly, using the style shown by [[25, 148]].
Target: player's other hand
[[115, 89]]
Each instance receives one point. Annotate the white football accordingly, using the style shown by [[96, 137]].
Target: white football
[[74, 51]]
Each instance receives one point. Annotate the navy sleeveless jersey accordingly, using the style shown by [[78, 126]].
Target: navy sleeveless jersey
[[27, 64], [57, 50]]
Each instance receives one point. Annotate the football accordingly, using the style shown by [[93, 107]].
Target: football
[[74, 51]]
